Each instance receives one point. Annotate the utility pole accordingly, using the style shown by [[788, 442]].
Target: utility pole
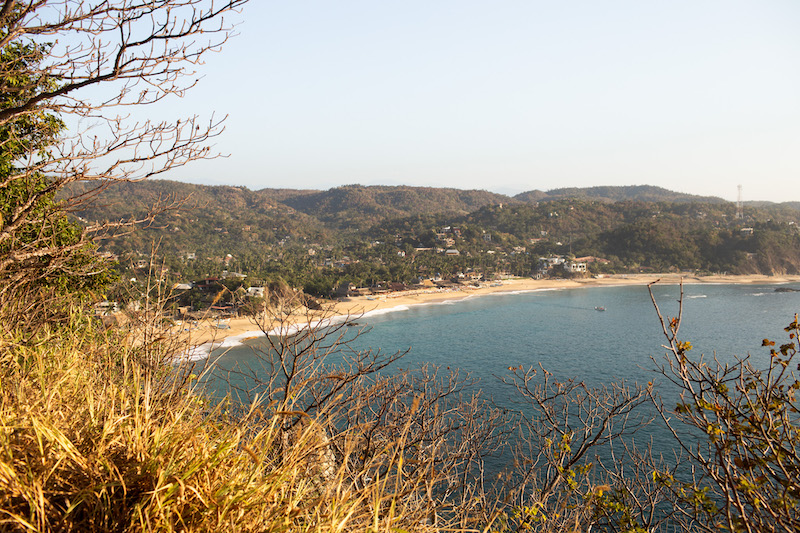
[[739, 212]]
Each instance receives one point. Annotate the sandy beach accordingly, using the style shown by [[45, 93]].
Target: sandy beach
[[206, 333]]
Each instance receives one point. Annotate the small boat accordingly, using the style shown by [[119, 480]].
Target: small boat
[[599, 308]]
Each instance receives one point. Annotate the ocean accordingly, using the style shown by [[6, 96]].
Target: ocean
[[564, 332]]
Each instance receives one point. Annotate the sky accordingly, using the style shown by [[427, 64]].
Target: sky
[[509, 96]]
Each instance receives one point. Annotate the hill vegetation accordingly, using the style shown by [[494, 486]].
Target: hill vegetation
[[358, 206], [320, 240], [639, 193]]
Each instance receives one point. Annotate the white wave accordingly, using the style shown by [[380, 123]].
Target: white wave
[[450, 302], [378, 312], [698, 296], [203, 351], [400, 308], [288, 330], [758, 294], [195, 353], [236, 340], [526, 291]]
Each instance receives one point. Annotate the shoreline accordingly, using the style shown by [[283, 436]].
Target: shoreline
[[200, 341]]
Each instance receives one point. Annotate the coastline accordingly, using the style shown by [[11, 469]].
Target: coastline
[[207, 335]]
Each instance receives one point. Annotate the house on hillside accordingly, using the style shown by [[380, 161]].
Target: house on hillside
[[256, 292], [342, 263], [208, 284], [577, 267], [553, 260]]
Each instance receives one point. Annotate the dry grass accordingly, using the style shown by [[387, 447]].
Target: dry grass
[[90, 442], [101, 434]]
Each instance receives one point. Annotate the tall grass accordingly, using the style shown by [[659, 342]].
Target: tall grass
[[101, 431], [94, 437]]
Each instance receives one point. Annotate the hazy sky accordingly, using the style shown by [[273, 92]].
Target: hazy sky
[[695, 96]]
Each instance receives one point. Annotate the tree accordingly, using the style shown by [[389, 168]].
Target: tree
[[423, 428], [32, 226], [56, 57], [738, 426], [575, 464]]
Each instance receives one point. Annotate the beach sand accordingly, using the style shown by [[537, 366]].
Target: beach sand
[[208, 332]]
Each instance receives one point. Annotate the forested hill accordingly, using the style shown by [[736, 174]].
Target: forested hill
[[358, 205], [347, 206], [206, 219], [383, 233], [640, 193]]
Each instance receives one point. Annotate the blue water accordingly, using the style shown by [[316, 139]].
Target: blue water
[[562, 331]]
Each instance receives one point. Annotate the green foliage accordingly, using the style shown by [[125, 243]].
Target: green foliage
[[41, 249], [372, 233], [356, 206]]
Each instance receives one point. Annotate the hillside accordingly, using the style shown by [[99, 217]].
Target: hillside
[[199, 218], [640, 193], [317, 239], [360, 206]]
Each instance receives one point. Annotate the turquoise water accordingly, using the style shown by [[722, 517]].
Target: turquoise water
[[561, 329]]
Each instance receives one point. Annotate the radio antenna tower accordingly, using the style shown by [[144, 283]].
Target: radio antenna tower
[[739, 213]]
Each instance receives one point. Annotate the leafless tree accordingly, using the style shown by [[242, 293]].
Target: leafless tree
[[312, 368], [575, 462], [738, 425], [70, 71]]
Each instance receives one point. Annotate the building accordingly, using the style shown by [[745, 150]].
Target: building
[[578, 267], [256, 292]]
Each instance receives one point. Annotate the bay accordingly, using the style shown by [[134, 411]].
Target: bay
[[564, 332]]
